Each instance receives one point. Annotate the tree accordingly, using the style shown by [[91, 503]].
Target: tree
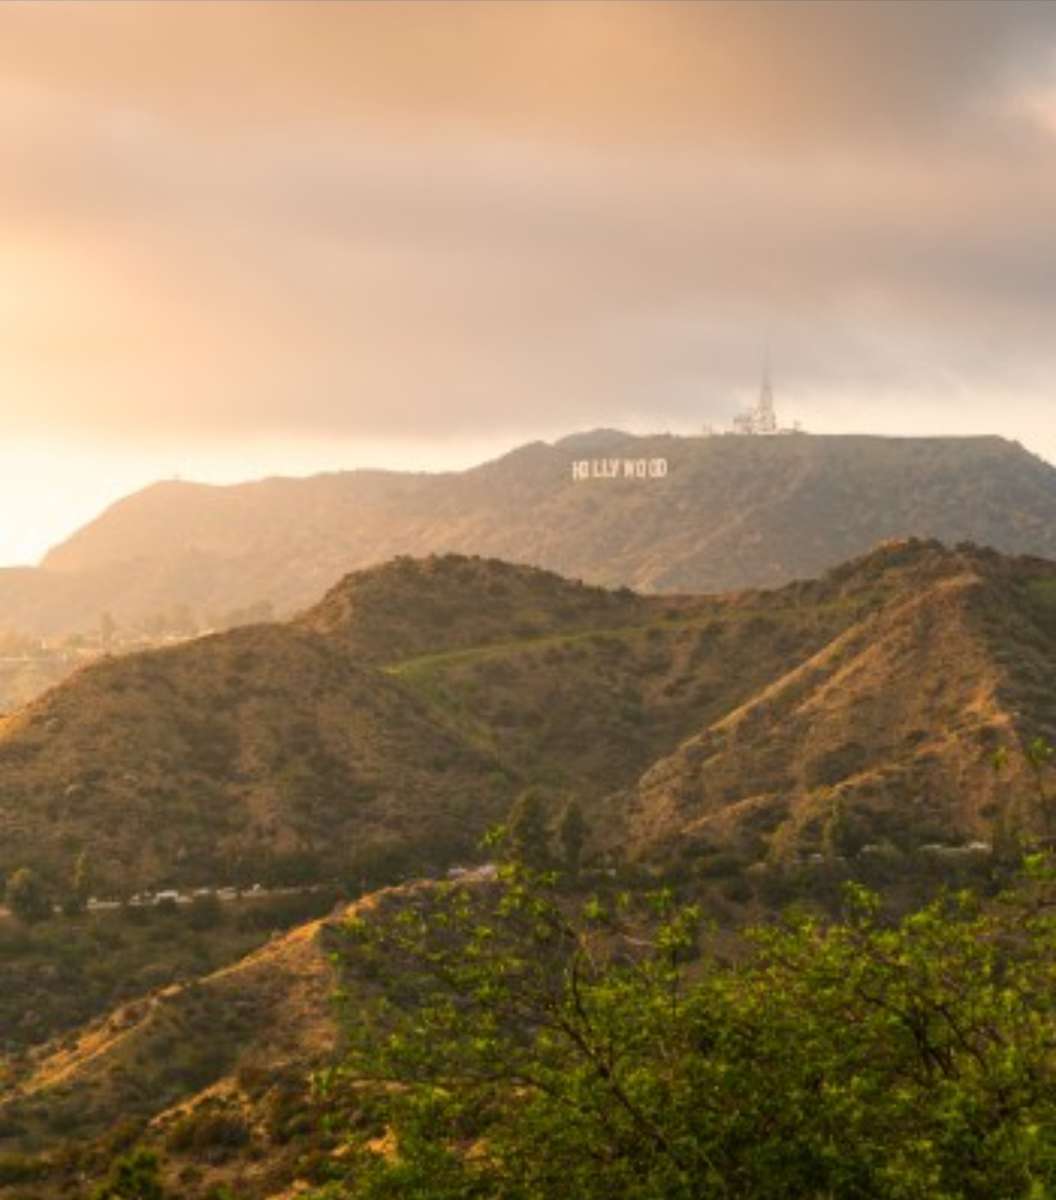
[[528, 831], [523, 1051], [136, 1176], [572, 834], [26, 896]]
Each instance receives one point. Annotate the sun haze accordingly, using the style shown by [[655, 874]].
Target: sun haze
[[245, 239]]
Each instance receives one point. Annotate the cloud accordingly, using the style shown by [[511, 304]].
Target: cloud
[[385, 220]]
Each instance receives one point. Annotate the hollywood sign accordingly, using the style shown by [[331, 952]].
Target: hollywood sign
[[619, 468]]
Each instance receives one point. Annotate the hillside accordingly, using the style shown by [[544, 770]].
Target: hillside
[[750, 747], [214, 1072], [277, 752], [388, 726], [884, 739], [233, 1048], [732, 512]]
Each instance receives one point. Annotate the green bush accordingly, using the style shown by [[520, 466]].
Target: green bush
[[599, 1055]]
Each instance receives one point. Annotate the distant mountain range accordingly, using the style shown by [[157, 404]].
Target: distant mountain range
[[730, 512]]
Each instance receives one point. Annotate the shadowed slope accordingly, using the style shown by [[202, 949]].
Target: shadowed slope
[[233, 758]]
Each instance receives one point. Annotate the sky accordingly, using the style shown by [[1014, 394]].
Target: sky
[[242, 239]]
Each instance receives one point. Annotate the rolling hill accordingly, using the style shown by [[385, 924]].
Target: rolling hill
[[395, 721], [883, 740], [277, 751], [732, 512], [819, 731]]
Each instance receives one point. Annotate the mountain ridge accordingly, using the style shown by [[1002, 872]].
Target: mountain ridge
[[408, 707], [732, 512]]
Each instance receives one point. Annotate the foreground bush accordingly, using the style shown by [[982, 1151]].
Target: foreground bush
[[515, 1050]]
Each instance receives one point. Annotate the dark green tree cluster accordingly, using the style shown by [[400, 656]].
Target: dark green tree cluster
[[530, 840], [526, 1051], [27, 897], [137, 1176]]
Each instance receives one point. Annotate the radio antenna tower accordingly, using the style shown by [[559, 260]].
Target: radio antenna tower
[[765, 417]]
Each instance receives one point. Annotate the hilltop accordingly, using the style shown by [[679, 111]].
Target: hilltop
[[732, 512]]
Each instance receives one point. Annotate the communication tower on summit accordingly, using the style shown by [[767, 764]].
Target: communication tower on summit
[[765, 417], [761, 421]]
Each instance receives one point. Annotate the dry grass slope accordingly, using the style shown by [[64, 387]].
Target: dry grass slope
[[889, 730]]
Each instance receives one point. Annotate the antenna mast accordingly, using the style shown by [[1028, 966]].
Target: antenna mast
[[765, 417]]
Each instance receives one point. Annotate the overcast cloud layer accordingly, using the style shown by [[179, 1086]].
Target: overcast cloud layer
[[424, 221]]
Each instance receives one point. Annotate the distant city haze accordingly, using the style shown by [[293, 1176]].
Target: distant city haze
[[242, 240]]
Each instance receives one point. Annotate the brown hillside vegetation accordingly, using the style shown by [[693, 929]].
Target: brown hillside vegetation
[[400, 716], [239, 1039], [215, 1072], [884, 739], [286, 753], [229, 756], [282, 753], [733, 512]]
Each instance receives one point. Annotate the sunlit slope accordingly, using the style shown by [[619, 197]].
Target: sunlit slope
[[214, 1073], [886, 735], [732, 512], [259, 1024]]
